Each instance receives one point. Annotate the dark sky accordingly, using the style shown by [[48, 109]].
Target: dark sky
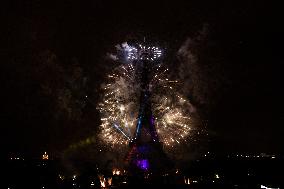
[[243, 39]]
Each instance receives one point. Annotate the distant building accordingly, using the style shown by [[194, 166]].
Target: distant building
[[45, 156]]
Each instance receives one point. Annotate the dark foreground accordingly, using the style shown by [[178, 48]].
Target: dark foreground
[[203, 174]]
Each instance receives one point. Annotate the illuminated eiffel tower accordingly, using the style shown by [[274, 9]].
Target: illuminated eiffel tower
[[146, 155]]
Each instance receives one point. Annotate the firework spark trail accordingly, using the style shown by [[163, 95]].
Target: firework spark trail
[[120, 106]]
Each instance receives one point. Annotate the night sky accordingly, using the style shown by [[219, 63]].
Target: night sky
[[53, 54]]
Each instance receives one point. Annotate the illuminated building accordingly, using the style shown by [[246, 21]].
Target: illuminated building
[[45, 156]]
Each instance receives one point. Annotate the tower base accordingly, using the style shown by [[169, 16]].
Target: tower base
[[147, 163]]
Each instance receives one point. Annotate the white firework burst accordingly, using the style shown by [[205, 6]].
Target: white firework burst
[[119, 106]]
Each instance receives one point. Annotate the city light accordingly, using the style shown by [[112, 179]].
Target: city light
[[116, 172], [45, 156], [265, 187]]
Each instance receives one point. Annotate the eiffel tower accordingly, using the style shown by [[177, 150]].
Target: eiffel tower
[[146, 156]]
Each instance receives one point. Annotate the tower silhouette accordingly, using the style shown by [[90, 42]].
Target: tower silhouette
[[146, 156]]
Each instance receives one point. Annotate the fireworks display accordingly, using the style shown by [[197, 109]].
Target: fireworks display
[[143, 53], [120, 103], [119, 107]]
